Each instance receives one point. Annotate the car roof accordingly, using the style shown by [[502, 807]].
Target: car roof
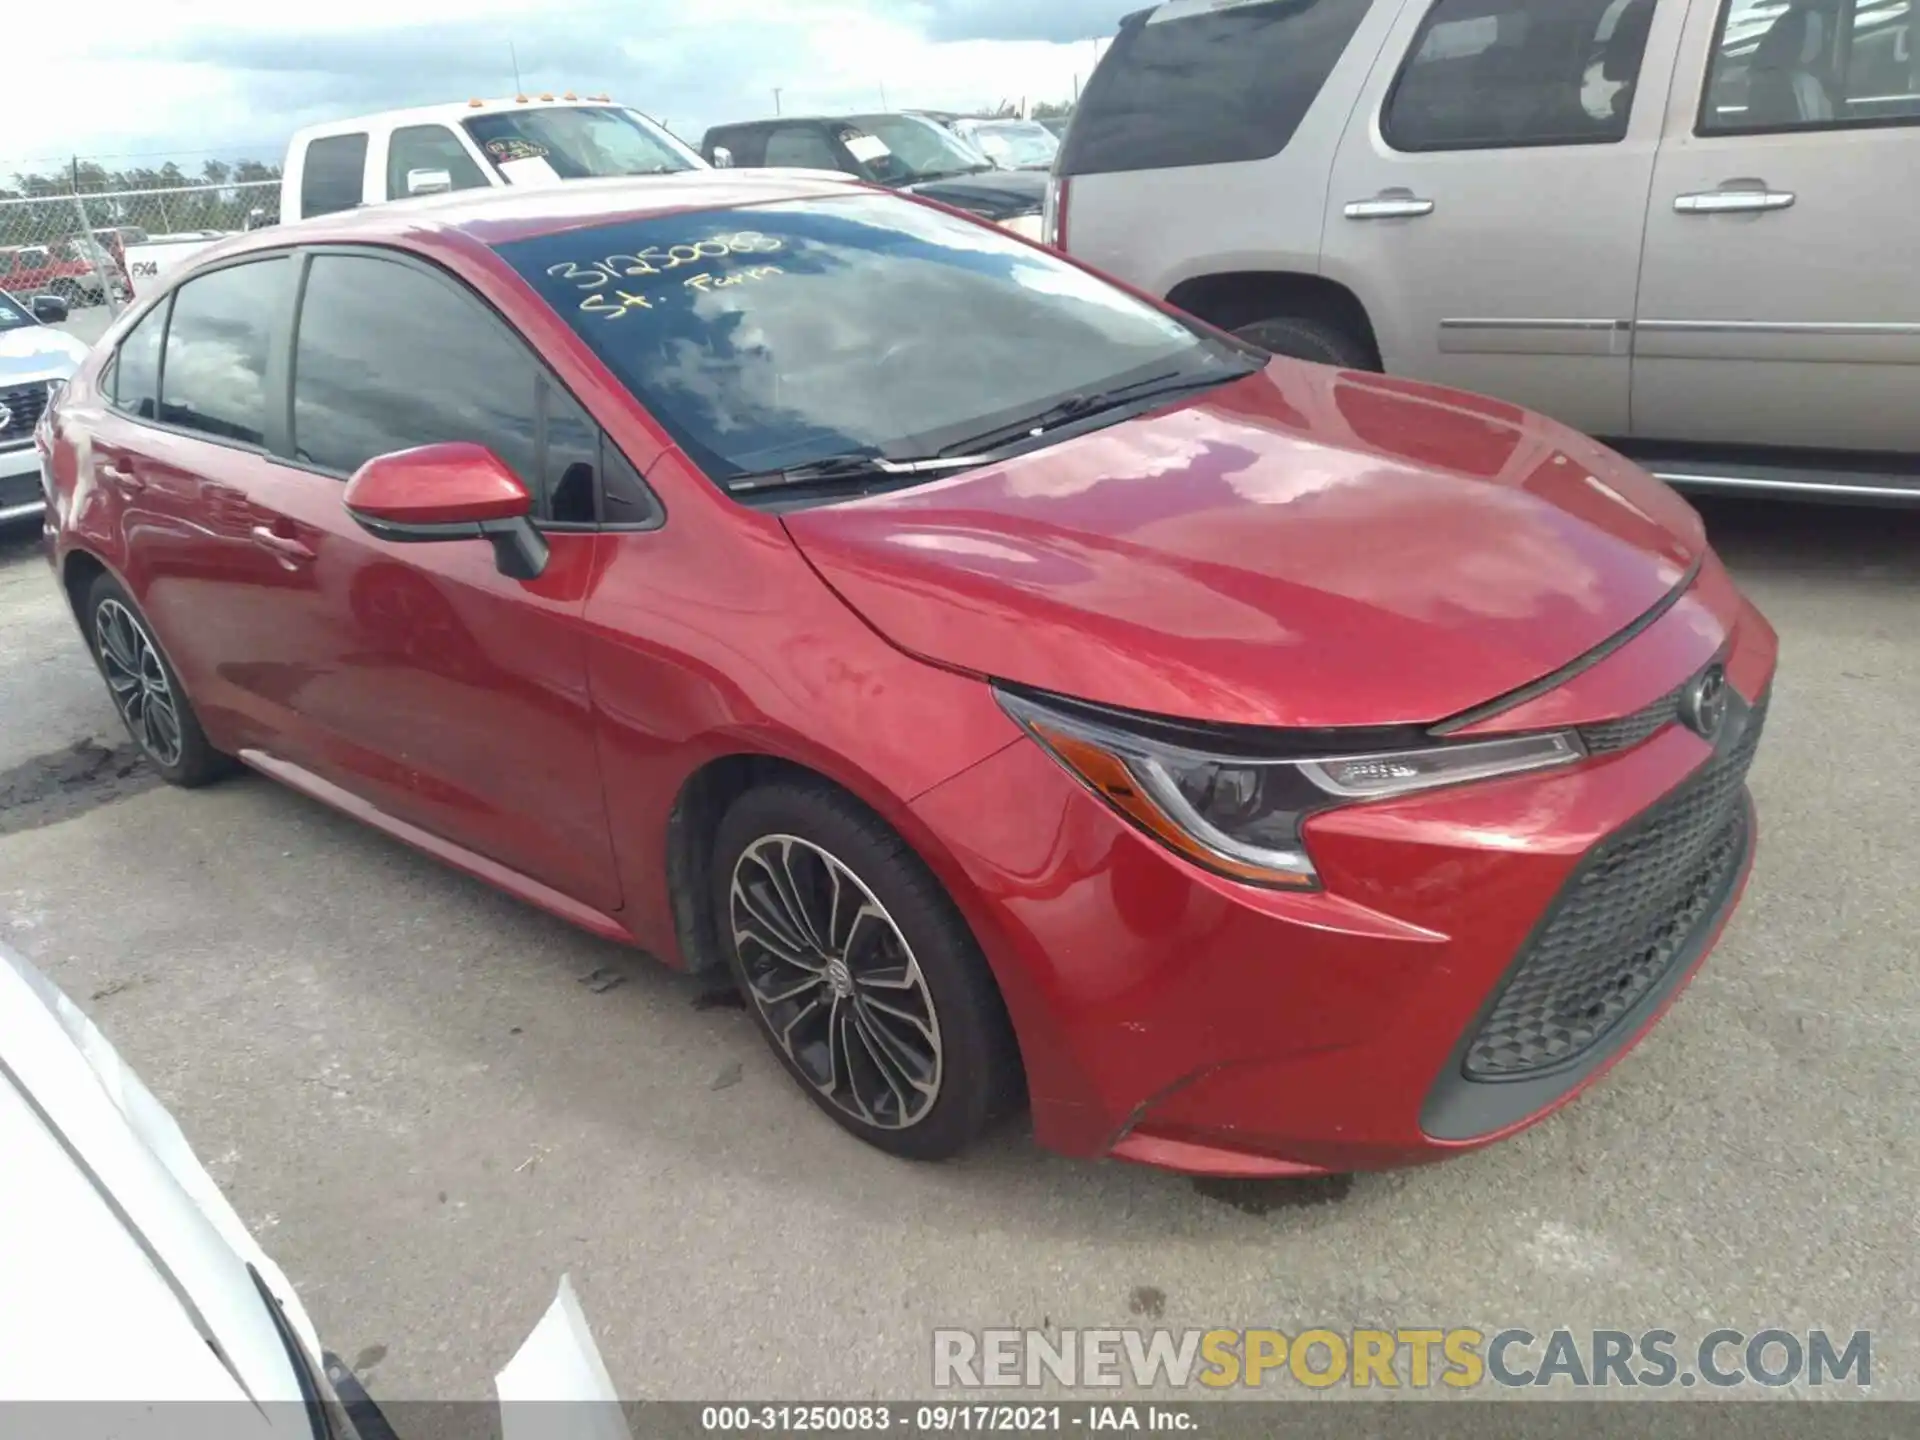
[[446, 113], [499, 215]]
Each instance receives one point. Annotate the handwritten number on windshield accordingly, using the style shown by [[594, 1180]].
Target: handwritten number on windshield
[[656, 260]]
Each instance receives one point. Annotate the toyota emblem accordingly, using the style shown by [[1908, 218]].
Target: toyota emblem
[[6, 417], [1703, 706]]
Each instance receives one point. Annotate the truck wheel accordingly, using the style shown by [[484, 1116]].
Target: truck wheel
[[1299, 338]]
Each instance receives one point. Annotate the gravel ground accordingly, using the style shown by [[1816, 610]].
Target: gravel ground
[[430, 1101]]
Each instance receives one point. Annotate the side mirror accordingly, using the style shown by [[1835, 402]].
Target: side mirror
[[49, 308], [429, 182], [457, 491], [722, 158]]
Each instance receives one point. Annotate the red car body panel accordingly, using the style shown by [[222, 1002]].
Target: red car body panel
[[1304, 548]]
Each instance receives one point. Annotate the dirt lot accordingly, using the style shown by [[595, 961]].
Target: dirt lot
[[430, 1101]]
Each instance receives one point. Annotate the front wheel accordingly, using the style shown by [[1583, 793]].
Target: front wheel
[[146, 691], [860, 972]]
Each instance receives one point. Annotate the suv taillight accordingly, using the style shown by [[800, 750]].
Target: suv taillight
[[1053, 221]]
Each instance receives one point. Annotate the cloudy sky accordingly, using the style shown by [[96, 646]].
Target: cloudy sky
[[179, 77]]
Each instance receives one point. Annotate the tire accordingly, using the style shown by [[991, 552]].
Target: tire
[[146, 690], [1300, 338], [920, 1078]]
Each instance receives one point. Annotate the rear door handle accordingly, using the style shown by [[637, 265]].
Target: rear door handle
[[1390, 205], [1732, 202], [120, 474], [285, 546]]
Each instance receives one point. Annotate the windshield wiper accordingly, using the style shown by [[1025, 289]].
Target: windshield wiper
[[855, 466], [1079, 407]]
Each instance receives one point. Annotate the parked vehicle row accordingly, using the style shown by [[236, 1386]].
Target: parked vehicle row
[[1021, 688], [1682, 225], [908, 152]]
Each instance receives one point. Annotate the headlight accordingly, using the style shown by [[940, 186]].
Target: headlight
[[1241, 815]]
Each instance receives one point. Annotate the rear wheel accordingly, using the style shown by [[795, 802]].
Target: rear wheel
[[1300, 337], [146, 691], [860, 972]]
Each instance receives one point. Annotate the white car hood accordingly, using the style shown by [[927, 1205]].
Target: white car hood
[[38, 352], [123, 1266]]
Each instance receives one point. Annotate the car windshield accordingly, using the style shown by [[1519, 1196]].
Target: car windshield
[[916, 150], [772, 337], [14, 315], [1016, 144], [577, 142]]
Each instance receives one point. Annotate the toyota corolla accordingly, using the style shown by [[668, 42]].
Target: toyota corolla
[[1029, 694]]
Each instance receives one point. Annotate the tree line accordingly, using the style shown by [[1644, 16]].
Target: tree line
[[43, 209]]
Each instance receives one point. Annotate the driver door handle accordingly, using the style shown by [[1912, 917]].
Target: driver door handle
[[285, 546], [1732, 202], [1390, 205], [121, 475]]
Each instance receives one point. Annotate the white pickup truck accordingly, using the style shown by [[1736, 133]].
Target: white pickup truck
[[468, 145]]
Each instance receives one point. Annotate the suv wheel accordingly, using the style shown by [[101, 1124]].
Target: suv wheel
[[1300, 338], [861, 974]]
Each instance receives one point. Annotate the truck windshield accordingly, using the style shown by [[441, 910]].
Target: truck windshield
[[577, 142]]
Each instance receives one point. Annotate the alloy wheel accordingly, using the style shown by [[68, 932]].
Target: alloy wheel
[[836, 982], [138, 680]]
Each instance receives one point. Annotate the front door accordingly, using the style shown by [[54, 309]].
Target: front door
[[1489, 196], [417, 677], [1780, 304]]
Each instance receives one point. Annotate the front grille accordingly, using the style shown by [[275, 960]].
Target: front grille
[[1622, 923], [1608, 736], [24, 404]]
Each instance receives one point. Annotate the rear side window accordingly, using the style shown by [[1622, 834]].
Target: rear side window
[[1207, 85], [1498, 74], [333, 177], [214, 379], [136, 369]]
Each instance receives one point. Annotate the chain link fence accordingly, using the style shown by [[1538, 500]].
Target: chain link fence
[[73, 240]]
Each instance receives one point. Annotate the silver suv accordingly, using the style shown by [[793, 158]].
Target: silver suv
[[1684, 226]]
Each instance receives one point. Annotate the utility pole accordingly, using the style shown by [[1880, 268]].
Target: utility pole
[[514, 56], [776, 98], [883, 96]]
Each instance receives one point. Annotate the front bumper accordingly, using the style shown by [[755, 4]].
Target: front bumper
[[21, 495], [1170, 1016]]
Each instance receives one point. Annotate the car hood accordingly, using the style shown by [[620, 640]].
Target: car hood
[[1305, 547], [38, 352], [994, 194]]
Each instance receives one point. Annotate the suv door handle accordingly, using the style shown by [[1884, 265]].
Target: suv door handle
[[285, 546], [1390, 205], [1732, 202]]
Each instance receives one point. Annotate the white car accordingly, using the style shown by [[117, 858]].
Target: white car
[[35, 359], [129, 1280]]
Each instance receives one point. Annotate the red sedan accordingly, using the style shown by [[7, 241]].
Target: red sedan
[[1024, 690]]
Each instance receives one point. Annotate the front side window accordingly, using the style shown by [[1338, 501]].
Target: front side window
[[1496, 74], [333, 177], [576, 142], [387, 358], [804, 147], [136, 366], [417, 148], [776, 336], [1206, 87], [1842, 63], [214, 377]]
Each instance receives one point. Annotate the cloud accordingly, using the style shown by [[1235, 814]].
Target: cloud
[[238, 77]]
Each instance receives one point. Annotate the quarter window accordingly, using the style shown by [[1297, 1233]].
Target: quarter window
[[136, 369], [218, 339], [1842, 63], [1207, 86], [1498, 74], [333, 177]]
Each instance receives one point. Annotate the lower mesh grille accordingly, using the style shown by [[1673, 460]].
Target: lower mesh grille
[[1622, 923]]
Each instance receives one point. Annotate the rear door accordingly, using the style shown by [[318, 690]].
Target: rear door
[[1489, 198], [1781, 299]]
